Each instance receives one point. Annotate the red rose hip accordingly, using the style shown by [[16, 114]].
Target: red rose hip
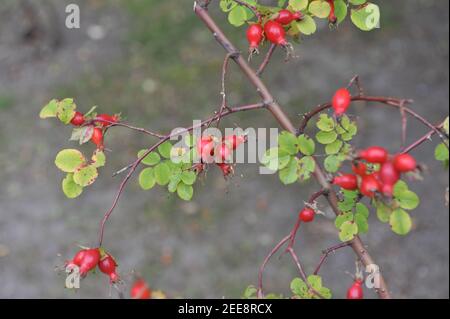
[[275, 33], [307, 215], [341, 101], [405, 163]]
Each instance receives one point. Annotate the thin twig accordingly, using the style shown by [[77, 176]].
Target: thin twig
[[328, 251], [266, 60]]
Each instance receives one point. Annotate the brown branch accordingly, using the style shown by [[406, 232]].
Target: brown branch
[[328, 251], [423, 139], [393, 102], [284, 121], [266, 60], [133, 166]]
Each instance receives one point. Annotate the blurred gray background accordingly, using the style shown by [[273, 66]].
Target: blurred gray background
[[156, 63]]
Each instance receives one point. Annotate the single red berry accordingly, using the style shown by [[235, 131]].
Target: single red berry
[[275, 33], [254, 36], [355, 291], [106, 120], [348, 182], [223, 153], [405, 163], [140, 290], [77, 259], [360, 169], [226, 169], [297, 16], [234, 141], [374, 154], [205, 149], [97, 137], [108, 265], [389, 176], [341, 101], [370, 185], [284, 17], [307, 215], [90, 260], [78, 119]]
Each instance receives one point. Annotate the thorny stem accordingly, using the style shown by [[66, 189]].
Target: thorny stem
[[393, 102], [328, 251], [423, 139], [133, 166], [268, 102], [284, 121]]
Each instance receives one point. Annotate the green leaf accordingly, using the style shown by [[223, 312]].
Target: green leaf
[[399, 188], [348, 231], [315, 281], [188, 177], [69, 160], [383, 212], [326, 123], [320, 9], [340, 10], [400, 222], [307, 26], [237, 16], [298, 5], [334, 148], [333, 163], [82, 134], [162, 174], [288, 175], [165, 149], [298, 287], [174, 181], [349, 132], [326, 137], [446, 125], [85, 176], [227, 5], [98, 159], [366, 18], [65, 111], [275, 159], [250, 293], [408, 200], [185, 192], [362, 210], [147, 179], [151, 159], [307, 165], [70, 188], [288, 142], [362, 223], [441, 153], [343, 218], [306, 145], [49, 110]]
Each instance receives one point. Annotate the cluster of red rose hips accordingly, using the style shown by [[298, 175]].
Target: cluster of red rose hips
[[101, 122], [386, 172], [211, 151], [273, 30], [89, 258]]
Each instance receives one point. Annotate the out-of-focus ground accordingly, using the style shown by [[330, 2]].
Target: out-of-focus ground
[[156, 63]]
